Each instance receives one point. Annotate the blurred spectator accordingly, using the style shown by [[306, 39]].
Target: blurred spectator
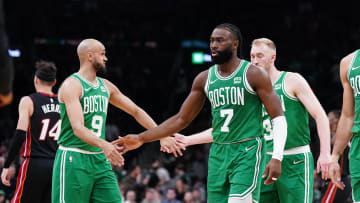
[[188, 197], [171, 196], [161, 172], [151, 196], [2, 196], [130, 196]]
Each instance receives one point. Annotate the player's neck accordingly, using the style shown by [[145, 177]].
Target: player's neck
[[228, 68], [274, 73], [88, 73], [44, 89]]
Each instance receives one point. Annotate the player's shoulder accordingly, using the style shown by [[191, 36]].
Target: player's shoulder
[[294, 81], [348, 58], [25, 102], [70, 82]]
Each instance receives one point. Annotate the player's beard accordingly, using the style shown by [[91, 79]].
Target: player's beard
[[222, 56], [99, 67]]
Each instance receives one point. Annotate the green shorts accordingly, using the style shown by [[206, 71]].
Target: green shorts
[[235, 170], [295, 183], [83, 178], [354, 163]]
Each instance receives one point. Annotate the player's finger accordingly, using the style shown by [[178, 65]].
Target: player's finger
[[175, 154], [179, 152], [265, 172], [166, 149], [181, 145], [6, 182]]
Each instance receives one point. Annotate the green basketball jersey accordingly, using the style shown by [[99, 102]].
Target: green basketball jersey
[[235, 107], [94, 103], [297, 118], [354, 79]]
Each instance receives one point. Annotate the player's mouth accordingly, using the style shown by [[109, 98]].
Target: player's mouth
[[214, 53]]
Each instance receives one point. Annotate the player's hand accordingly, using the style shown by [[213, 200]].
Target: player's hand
[[6, 99], [335, 174], [323, 164], [181, 139], [112, 154], [273, 171], [5, 176], [171, 145], [127, 143]]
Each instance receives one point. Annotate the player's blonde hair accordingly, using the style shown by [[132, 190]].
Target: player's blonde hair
[[266, 41]]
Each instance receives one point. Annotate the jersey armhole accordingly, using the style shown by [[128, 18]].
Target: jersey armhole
[[246, 83], [103, 82], [351, 64], [206, 88], [283, 86]]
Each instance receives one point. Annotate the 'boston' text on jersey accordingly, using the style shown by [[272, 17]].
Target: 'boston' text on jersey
[[95, 103], [226, 96]]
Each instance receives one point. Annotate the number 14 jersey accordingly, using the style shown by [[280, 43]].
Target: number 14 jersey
[[94, 103], [236, 109]]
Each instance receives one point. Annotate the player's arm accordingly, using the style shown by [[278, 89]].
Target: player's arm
[[122, 102], [346, 121], [298, 87], [260, 82], [188, 111], [118, 99], [25, 109], [70, 93], [197, 138]]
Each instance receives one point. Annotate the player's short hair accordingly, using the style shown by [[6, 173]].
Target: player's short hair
[[236, 32], [45, 71], [266, 41]]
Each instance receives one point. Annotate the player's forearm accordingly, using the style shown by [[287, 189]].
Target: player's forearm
[[323, 130], [144, 119], [343, 136], [88, 136], [167, 128], [200, 138]]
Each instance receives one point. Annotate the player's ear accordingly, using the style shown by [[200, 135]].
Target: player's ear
[[236, 44], [53, 84], [89, 56]]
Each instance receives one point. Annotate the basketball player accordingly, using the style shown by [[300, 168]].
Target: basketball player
[[349, 124], [82, 167], [296, 181], [236, 90], [38, 129]]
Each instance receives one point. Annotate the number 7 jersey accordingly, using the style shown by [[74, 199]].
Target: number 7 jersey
[[236, 109], [94, 103]]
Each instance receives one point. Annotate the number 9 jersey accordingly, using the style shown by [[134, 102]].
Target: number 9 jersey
[[94, 103]]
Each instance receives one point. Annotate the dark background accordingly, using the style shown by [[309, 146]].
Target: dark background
[[144, 45]]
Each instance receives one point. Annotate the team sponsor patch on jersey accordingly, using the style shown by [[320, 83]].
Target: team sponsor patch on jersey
[[237, 80], [277, 86]]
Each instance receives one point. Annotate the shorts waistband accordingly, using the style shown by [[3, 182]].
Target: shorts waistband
[[295, 150], [243, 140], [74, 149]]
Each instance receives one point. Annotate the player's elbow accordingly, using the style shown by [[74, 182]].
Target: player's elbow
[[77, 129]]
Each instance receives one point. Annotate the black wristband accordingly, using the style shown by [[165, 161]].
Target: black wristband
[[14, 146]]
